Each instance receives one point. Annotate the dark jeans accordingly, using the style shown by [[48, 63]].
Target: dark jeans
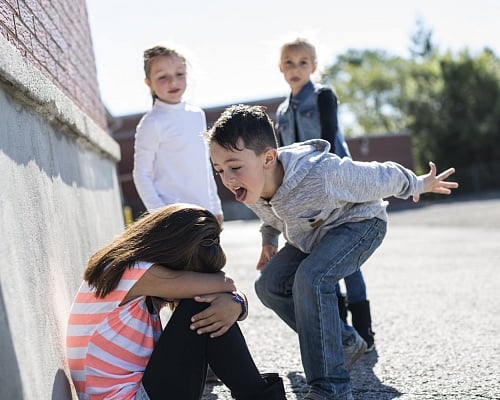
[[178, 366]]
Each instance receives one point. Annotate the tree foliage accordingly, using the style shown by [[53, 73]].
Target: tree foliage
[[459, 123], [370, 83], [449, 102]]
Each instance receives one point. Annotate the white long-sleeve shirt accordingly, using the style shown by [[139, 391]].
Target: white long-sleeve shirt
[[171, 159]]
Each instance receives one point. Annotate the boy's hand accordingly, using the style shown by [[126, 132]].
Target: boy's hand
[[268, 252], [437, 183], [219, 317]]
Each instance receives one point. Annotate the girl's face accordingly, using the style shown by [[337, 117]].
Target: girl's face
[[297, 67], [167, 78], [243, 172]]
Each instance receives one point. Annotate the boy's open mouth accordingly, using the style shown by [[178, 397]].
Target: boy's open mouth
[[241, 194]]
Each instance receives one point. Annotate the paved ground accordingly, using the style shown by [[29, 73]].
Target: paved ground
[[434, 286]]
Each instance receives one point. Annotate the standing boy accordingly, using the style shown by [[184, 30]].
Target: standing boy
[[331, 213]]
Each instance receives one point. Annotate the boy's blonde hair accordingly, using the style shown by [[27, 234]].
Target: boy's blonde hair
[[299, 44]]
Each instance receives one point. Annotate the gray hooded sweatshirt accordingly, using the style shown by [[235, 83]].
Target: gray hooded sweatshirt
[[321, 191]]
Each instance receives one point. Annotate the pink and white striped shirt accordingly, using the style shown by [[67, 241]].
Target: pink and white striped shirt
[[108, 345]]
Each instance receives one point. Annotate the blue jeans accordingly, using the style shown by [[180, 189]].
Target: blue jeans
[[300, 288], [355, 288]]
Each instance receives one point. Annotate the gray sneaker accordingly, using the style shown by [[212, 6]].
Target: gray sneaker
[[311, 395], [314, 396], [355, 349]]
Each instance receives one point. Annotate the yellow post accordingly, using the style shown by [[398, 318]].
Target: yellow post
[[127, 215]]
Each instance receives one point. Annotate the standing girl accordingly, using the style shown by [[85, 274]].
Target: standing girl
[[115, 343], [171, 162], [310, 112]]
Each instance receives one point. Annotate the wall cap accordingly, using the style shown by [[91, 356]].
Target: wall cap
[[29, 86]]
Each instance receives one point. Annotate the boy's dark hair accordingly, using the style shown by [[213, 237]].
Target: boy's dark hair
[[251, 124], [178, 236]]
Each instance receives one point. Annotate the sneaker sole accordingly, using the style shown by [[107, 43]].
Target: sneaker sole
[[370, 349], [356, 356]]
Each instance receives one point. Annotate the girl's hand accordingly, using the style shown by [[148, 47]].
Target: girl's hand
[[268, 252], [437, 183], [220, 219], [219, 317]]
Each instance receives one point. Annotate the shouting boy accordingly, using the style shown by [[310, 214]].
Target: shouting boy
[[333, 217]]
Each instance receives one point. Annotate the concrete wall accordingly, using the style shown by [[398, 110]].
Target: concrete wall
[[59, 202]]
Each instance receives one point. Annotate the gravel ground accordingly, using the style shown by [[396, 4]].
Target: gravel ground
[[434, 289]]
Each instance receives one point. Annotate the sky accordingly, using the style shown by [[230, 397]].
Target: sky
[[233, 47]]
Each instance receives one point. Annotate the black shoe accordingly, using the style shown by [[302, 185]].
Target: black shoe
[[211, 377], [342, 302], [362, 322], [273, 391]]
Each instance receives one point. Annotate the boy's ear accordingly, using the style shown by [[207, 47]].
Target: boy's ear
[[270, 157], [147, 81], [315, 65]]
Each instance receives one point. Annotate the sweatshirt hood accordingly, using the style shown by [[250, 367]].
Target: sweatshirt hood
[[298, 159]]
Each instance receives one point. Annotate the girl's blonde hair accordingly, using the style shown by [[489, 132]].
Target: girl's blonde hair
[[299, 44], [178, 236]]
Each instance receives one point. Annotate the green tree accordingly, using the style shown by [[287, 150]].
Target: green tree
[[371, 85], [458, 120], [449, 102], [422, 44]]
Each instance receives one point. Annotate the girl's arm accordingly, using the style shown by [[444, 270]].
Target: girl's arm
[[327, 108], [145, 148], [162, 282]]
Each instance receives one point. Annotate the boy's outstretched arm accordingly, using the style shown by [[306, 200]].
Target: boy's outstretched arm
[[437, 183]]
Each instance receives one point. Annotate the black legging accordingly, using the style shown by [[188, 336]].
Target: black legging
[[178, 366]]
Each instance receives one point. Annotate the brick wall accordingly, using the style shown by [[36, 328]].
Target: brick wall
[[54, 37]]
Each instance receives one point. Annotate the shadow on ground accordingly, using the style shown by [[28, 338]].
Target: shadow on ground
[[365, 384]]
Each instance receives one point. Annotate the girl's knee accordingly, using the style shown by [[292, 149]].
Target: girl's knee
[[190, 307]]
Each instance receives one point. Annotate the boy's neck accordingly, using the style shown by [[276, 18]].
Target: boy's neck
[[273, 181]]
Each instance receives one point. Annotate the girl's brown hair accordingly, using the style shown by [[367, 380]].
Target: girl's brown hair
[[178, 236]]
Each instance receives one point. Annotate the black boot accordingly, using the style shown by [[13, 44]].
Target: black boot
[[274, 390], [362, 322], [342, 307]]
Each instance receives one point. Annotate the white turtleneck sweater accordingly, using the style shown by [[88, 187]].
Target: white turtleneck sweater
[[171, 159]]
